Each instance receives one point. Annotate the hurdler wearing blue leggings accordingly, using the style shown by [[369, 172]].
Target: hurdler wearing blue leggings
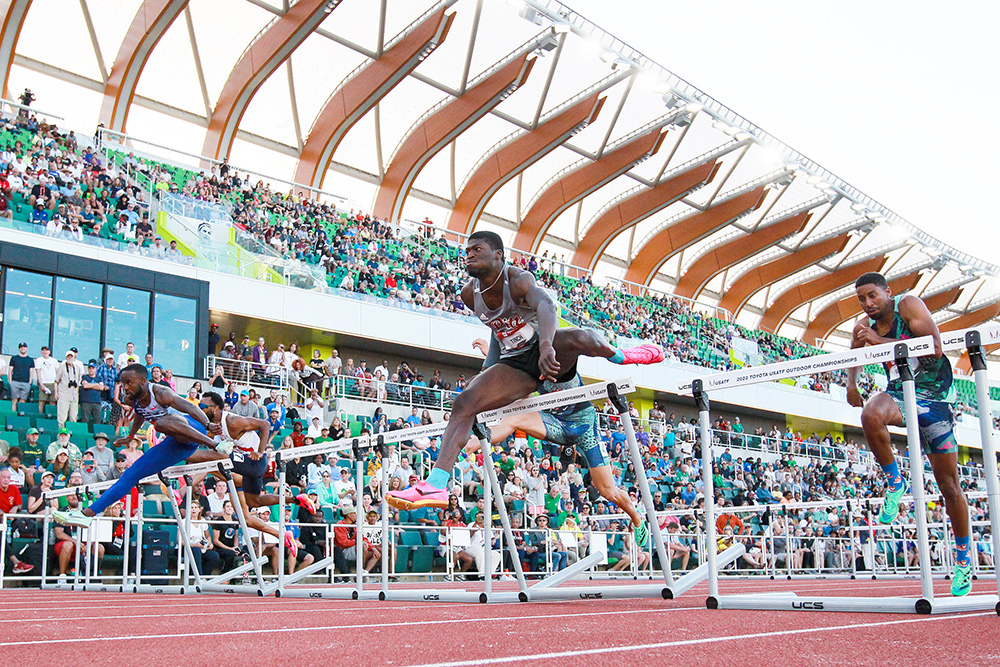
[[168, 452]]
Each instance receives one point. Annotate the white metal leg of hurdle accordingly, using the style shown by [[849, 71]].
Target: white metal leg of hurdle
[[220, 583], [89, 489], [548, 589], [900, 352], [977, 358], [184, 535], [355, 592]]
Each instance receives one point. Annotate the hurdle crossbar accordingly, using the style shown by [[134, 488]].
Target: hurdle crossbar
[[900, 352], [170, 473]]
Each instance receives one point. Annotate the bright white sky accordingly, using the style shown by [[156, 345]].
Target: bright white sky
[[897, 98]]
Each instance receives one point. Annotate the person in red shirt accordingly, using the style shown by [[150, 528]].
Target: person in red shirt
[[345, 539], [10, 503]]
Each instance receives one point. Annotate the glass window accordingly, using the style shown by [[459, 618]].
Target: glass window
[[27, 313], [127, 320], [174, 333], [79, 305]]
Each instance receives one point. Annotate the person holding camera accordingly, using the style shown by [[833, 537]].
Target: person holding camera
[[68, 377]]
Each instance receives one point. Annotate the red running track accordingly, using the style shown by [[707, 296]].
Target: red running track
[[53, 627]]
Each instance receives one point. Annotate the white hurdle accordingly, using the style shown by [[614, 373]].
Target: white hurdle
[[345, 592], [901, 352], [127, 583]]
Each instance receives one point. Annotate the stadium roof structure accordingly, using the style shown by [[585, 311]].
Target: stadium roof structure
[[517, 116]]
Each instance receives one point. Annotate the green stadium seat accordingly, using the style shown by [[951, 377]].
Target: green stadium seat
[[410, 538], [422, 559]]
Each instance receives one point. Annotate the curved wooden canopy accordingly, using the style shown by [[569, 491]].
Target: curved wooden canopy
[[363, 90], [739, 249], [736, 296], [635, 208], [577, 183], [437, 129], [796, 295], [513, 157], [672, 239]]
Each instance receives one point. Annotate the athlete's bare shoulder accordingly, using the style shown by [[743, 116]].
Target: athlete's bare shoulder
[[467, 292]]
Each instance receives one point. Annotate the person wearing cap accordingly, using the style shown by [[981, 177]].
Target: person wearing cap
[[213, 337], [62, 442], [245, 408], [315, 429], [119, 467], [183, 426], [345, 489], [104, 456], [345, 540], [68, 377], [273, 418], [32, 450], [46, 367], [89, 471], [20, 372], [128, 356], [90, 395], [61, 468]]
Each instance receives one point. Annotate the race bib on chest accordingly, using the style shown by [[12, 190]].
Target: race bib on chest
[[516, 336]]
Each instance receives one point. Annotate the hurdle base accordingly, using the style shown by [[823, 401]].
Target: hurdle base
[[691, 579], [165, 590], [622, 592], [329, 594], [450, 595], [888, 605], [237, 589]]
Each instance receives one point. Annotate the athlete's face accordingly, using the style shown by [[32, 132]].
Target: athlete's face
[[481, 259], [212, 412], [134, 385], [875, 301]]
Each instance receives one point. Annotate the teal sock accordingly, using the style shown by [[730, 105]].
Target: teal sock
[[962, 550], [618, 357], [892, 476], [439, 478]]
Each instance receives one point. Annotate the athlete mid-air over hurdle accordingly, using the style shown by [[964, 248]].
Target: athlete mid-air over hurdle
[[576, 425], [522, 317], [890, 318], [183, 423]]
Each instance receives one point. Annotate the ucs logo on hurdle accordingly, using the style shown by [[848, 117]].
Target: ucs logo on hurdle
[[807, 605]]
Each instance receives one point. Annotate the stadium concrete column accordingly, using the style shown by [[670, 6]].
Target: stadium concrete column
[[268, 50], [635, 206], [578, 182], [742, 247], [441, 125], [687, 231], [13, 13], [515, 155], [149, 24], [736, 296], [362, 89], [797, 295]]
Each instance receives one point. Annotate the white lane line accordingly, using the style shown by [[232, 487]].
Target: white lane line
[[357, 626], [688, 642]]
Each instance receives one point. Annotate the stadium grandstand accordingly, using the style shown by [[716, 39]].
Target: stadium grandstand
[[272, 200]]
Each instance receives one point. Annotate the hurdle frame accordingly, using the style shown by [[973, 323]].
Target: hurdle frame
[[900, 352], [347, 592], [126, 585]]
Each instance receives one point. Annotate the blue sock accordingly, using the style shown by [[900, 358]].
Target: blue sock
[[439, 478], [892, 475], [962, 550], [617, 358]]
